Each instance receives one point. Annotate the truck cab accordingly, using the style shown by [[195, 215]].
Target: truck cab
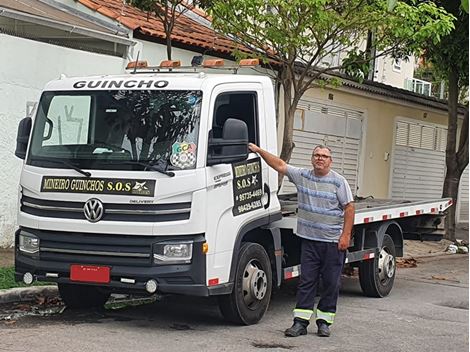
[[143, 183]]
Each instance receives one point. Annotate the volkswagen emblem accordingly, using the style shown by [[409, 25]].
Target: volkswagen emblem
[[93, 210]]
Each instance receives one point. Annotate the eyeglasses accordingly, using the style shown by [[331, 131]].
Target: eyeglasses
[[321, 156]]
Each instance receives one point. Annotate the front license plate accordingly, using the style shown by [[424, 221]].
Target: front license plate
[[90, 273]]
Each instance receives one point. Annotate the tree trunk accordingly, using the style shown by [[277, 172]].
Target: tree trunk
[[289, 112], [168, 46], [454, 170]]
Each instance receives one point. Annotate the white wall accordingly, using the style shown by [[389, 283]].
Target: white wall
[[385, 73], [25, 67]]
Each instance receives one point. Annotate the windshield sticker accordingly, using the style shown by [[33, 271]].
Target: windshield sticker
[[247, 186], [126, 187], [183, 155]]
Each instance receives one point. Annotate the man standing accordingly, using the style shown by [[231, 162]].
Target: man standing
[[325, 221]]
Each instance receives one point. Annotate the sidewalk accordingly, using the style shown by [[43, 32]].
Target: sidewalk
[[413, 249]]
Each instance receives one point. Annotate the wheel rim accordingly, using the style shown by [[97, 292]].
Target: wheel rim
[[255, 284], [386, 265]]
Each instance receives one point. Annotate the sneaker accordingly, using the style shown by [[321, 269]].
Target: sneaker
[[295, 330], [323, 330]]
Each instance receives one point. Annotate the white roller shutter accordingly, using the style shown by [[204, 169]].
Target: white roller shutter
[[418, 165], [338, 128], [462, 208]]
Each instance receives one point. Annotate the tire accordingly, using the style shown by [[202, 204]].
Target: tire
[[252, 288], [83, 296], [377, 276]]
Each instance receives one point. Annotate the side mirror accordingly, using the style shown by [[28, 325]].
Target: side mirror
[[232, 147], [22, 138]]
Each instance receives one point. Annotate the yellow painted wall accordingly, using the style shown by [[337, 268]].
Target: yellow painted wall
[[378, 132]]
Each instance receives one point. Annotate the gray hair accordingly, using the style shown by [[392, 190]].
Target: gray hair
[[321, 146]]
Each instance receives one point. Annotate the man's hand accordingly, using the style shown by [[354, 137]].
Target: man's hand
[[253, 147], [343, 242]]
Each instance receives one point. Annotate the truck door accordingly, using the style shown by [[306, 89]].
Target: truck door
[[235, 192]]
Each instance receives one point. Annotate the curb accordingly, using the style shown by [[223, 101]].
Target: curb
[[26, 294]]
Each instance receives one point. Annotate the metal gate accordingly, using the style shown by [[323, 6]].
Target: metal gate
[[418, 164], [338, 128], [462, 203]]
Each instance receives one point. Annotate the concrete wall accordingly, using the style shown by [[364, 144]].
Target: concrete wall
[[379, 124], [25, 67]]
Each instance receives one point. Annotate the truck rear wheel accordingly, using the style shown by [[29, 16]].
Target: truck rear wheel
[[377, 276], [83, 296], [251, 293]]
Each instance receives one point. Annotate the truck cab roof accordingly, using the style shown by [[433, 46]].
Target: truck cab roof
[[144, 81]]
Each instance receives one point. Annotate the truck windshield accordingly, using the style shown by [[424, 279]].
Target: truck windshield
[[118, 130]]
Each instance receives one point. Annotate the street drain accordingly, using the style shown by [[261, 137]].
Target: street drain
[[456, 305], [271, 345]]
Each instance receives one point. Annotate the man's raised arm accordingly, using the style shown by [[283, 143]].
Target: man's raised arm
[[275, 162]]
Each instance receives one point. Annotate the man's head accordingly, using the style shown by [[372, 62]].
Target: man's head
[[321, 160]]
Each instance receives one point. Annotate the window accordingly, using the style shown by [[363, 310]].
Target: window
[[397, 65], [237, 105], [117, 129]]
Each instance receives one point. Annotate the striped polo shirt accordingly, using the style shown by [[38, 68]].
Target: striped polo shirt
[[321, 201]]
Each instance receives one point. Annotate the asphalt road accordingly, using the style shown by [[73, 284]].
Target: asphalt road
[[427, 310]]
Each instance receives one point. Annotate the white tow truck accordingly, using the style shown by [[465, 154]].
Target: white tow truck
[[143, 183]]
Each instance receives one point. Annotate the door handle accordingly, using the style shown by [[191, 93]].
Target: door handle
[[268, 191]]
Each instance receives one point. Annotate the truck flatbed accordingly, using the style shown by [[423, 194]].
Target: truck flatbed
[[370, 210]]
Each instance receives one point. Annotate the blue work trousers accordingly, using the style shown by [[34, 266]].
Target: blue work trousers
[[320, 260]]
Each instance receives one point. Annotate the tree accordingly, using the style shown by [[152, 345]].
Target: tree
[[167, 12], [449, 59], [299, 38]]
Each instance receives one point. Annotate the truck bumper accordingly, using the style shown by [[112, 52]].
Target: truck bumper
[[59, 250]]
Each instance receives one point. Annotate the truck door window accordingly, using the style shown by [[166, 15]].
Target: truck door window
[[237, 105]]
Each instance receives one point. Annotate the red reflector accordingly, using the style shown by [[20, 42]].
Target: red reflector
[[213, 282], [288, 275], [402, 214], [418, 212], [90, 273], [450, 202], [433, 210], [386, 217]]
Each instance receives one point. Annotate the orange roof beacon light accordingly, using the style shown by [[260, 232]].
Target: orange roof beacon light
[[249, 62], [136, 64], [170, 63], [213, 63]]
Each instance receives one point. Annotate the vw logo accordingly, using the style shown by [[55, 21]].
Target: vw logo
[[93, 210]]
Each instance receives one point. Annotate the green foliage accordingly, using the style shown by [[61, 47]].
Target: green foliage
[[7, 279], [452, 50], [312, 31]]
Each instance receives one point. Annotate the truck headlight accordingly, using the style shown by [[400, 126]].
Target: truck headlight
[[28, 243], [173, 252]]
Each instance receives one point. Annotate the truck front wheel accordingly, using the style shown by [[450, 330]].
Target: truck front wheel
[[82, 296], [377, 276], [251, 293]]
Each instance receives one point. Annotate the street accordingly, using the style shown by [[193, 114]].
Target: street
[[427, 310]]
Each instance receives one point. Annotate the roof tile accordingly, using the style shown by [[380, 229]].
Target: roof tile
[[186, 30]]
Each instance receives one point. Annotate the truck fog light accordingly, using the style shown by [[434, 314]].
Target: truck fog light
[[151, 286], [28, 278], [28, 243], [172, 253]]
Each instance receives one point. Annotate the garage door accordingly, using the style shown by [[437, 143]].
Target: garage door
[[338, 128], [418, 164], [462, 208]]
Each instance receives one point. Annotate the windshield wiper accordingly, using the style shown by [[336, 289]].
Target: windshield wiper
[[151, 166], [70, 166]]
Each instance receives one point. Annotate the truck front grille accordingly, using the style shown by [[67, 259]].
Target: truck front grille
[[112, 211], [104, 249]]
